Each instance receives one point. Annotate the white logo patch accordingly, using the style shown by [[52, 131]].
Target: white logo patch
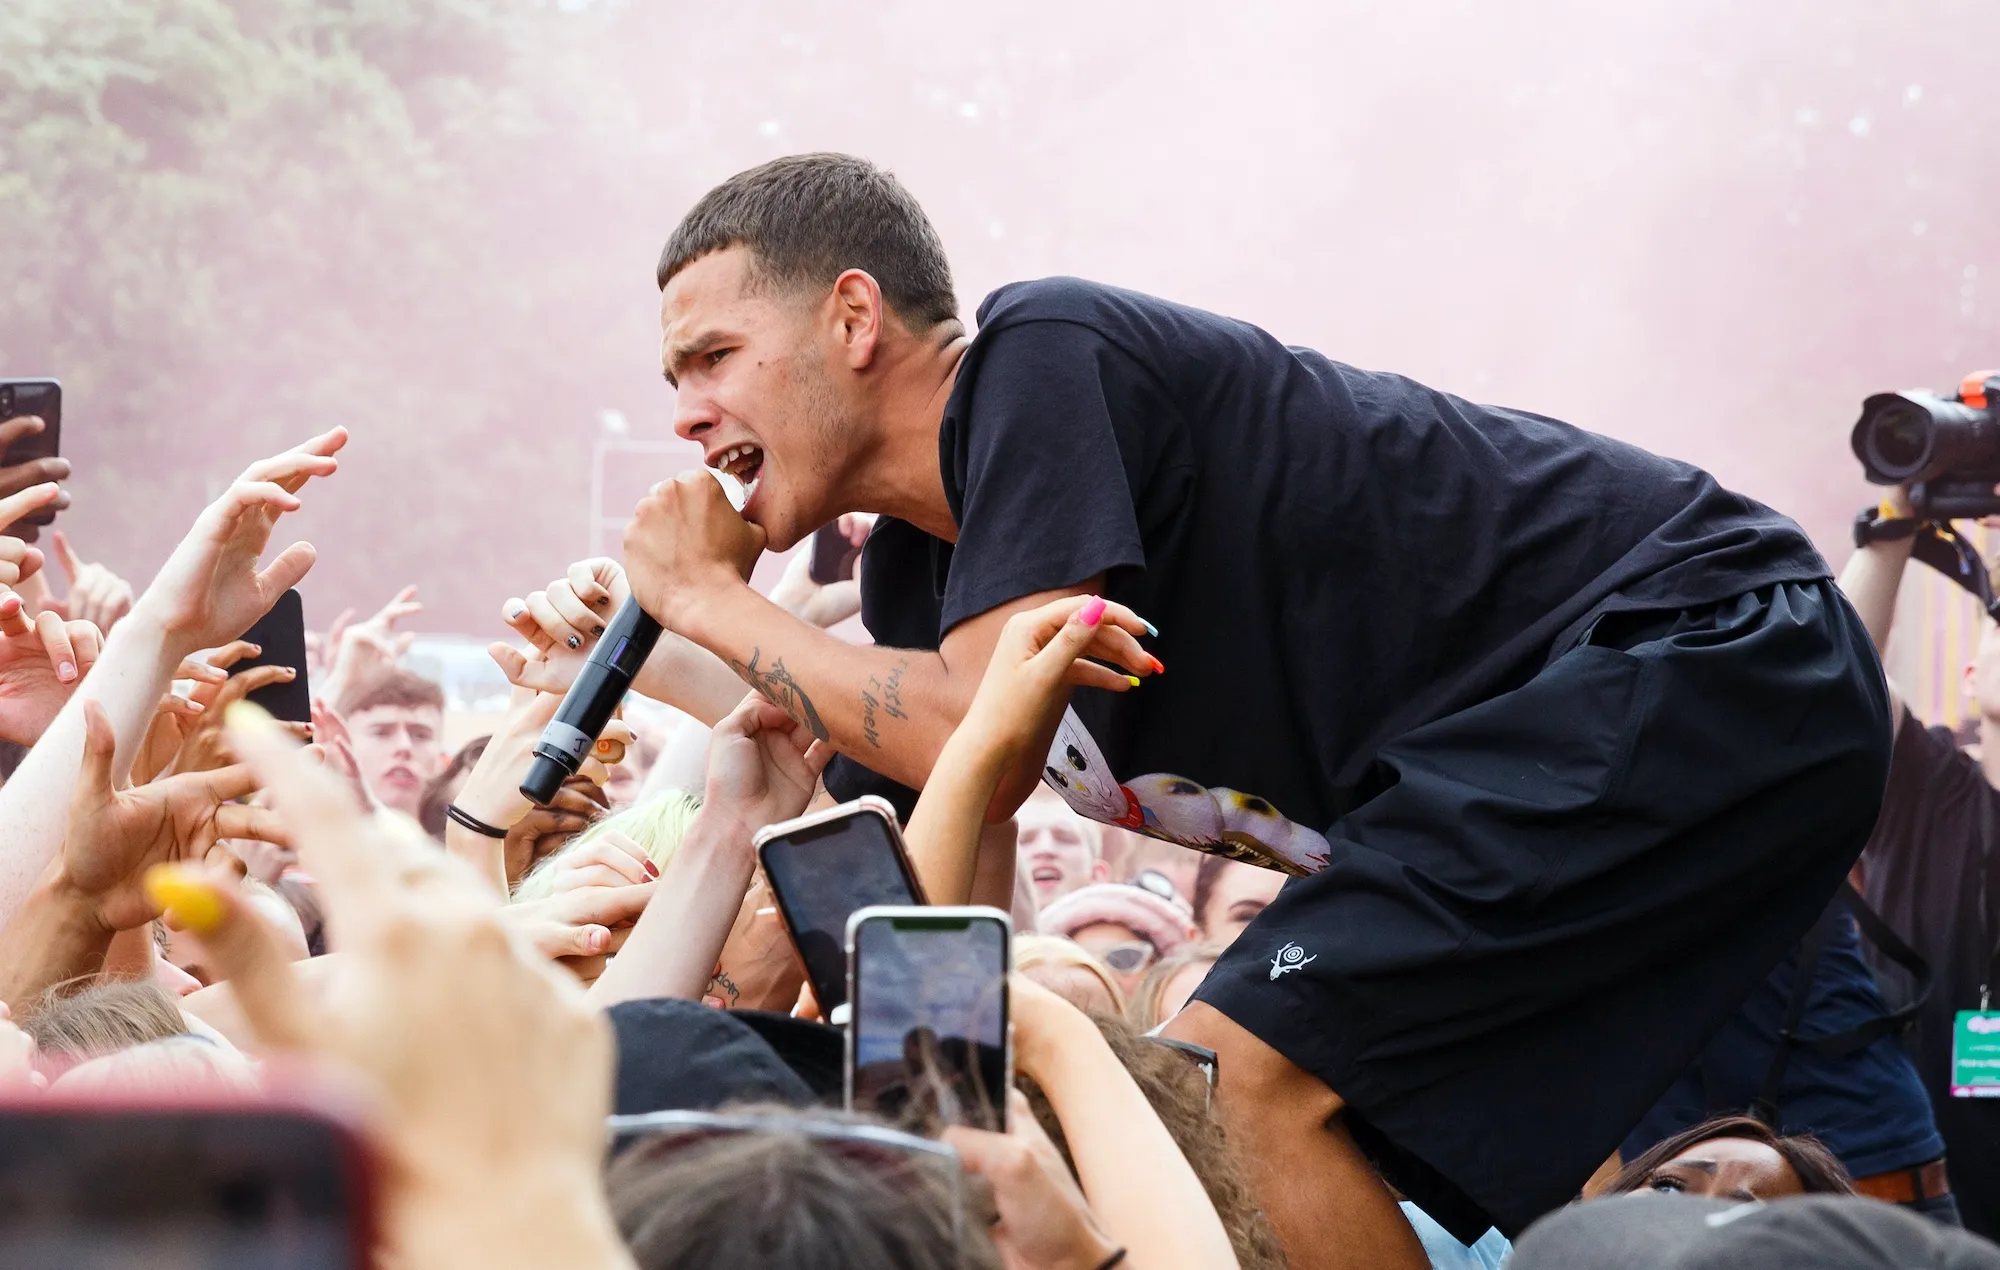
[[1290, 957]]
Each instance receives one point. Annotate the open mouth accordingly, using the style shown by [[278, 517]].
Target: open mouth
[[745, 464], [1045, 875]]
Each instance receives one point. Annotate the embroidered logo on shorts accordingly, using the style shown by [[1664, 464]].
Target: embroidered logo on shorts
[[1290, 957]]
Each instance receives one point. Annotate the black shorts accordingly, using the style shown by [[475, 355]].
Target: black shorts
[[1523, 940]]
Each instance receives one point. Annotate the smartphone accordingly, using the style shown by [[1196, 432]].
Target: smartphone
[[41, 397], [927, 1038], [281, 633], [90, 1183], [834, 557], [825, 865]]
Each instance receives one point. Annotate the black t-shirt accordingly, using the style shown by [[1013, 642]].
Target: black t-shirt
[[1332, 556], [1932, 872]]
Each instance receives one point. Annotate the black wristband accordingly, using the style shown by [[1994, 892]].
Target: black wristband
[[1871, 525], [1115, 1259], [453, 812]]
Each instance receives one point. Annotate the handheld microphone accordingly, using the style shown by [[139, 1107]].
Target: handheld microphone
[[588, 704]]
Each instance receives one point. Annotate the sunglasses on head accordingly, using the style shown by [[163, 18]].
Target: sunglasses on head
[[1128, 958], [1200, 1057], [886, 1152]]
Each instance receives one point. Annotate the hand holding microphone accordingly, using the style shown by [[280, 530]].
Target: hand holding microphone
[[587, 706]]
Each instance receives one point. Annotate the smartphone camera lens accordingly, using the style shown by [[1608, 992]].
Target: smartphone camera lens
[[6, 399]]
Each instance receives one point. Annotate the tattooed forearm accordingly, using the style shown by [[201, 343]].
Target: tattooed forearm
[[884, 694], [778, 687]]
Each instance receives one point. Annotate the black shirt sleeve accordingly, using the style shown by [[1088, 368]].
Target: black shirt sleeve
[[1034, 470]]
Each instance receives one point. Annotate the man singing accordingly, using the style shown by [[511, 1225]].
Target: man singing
[[1563, 743]]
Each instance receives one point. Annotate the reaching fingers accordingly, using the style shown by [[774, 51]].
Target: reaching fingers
[[360, 869], [245, 682], [100, 746], [17, 561], [88, 642], [286, 570], [296, 466], [240, 820], [19, 426], [53, 633], [201, 671], [536, 675], [244, 949], [403, 604], [14, 620], [602, 863], [231, 653], [515, 613], [65, 555], [610, 906], [555, 626], [590, 582], [28, 501], [572, 609], [175, 704]]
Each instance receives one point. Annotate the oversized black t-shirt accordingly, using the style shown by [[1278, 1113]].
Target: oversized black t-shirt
[[1932, 870], [1332, 556]]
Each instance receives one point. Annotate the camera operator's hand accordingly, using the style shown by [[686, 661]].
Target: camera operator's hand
[[17, 477], [210, 590], [96, 594], [116, 835], [491, 1078], [1045, 1224], [685, 541]]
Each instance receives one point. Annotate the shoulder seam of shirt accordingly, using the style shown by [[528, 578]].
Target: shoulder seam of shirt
[[1106, 336]]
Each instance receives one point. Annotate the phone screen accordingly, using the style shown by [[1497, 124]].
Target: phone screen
[[929, 1021], [821, 874], [42, 398], [281, 634], [81, 1189]]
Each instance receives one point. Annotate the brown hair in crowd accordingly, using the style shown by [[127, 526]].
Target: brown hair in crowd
[[392, 687], [786, 1202], [810, 217], [1146, 1009], [1818, 1171]]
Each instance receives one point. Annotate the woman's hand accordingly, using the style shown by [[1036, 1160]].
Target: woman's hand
[[610, 859], [762, 767], [211, 590], [96, 595], [1039, 653], [491, 1076], [41, 662], [1045, 1224], [582, 927]]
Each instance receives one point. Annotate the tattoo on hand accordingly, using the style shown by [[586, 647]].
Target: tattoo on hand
[[721, 985], [781, 690], [885, 695]]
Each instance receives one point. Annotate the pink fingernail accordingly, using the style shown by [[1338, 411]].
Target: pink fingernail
[[1092, 611], [652, 870], [66, 671]]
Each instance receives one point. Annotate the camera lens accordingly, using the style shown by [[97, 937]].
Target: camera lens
[[6, 399], [1900, 437]]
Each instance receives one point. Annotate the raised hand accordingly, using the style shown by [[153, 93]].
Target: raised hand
[[18, 477], [762, 766], [18, 560], [211, 590], [116, 835], [489, 1075], [96, 594], [1043, 1218], [1040, 652], [40, 663], [353, 651]]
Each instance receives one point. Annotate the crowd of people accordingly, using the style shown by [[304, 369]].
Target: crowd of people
[[579, 1034]]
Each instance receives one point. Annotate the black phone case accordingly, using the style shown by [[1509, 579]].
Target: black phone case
[[33, 397], [834, 558], [281, 633]]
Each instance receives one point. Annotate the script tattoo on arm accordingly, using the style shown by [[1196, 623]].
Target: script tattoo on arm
[[780, 689], [883, 694]]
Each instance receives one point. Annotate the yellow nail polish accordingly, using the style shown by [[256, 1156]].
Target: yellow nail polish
[[1133, 680], [185, 898]]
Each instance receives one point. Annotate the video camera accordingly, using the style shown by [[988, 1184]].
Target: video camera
[[1947, 449]]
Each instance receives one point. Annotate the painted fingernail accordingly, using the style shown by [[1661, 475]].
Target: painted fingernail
[[514, 609], [1133, 680], [185, 898], [574, 642], [652, 870], [1092, 611], [1151, 629], [597, 629], [289, 672], [66, 671], [1158, 669]]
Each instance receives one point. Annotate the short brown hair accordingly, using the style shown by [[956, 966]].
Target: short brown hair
[[393, 687], [808, 217]]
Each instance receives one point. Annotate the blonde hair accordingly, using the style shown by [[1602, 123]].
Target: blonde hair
[[1145, 1011], [657, 824], [1031, 951]]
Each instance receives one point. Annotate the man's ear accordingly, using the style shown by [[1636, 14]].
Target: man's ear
[[859, 314], [1100, 871]]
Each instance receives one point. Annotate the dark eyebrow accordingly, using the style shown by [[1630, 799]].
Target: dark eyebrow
[[1705, 1166], [679, 354]]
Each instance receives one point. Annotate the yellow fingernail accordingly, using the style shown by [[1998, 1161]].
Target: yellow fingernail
[[184, 898], [1133, 680], [248, 716]]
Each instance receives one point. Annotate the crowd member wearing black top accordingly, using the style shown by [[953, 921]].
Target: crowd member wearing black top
[[1563, 743], [1932, 870]]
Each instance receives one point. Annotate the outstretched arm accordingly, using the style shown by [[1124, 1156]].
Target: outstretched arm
[[1870, 581]]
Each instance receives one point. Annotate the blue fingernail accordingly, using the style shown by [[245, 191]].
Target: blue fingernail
[[1151, 629]]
